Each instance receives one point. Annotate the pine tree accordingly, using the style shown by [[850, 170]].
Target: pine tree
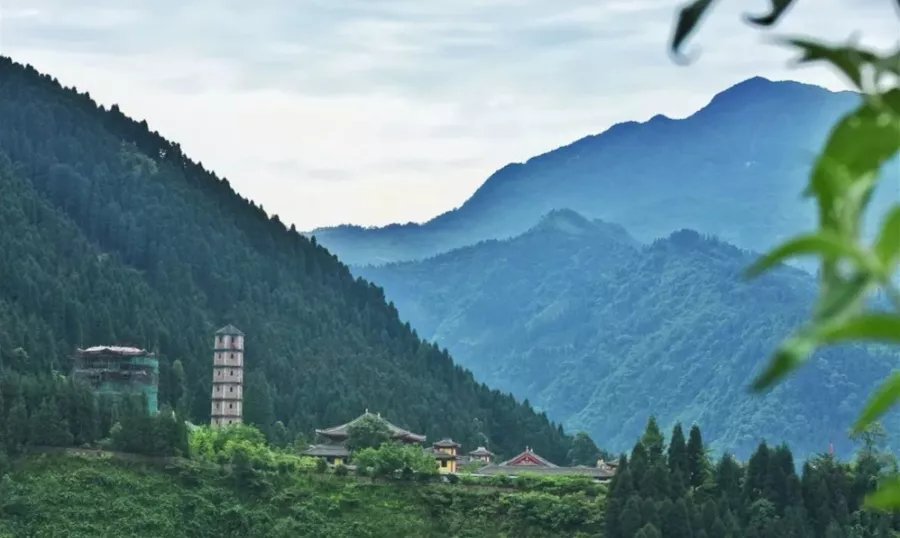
[[677, 453], [621, 488], [648, 531], [631, 520], [696, 458], [653, 441]]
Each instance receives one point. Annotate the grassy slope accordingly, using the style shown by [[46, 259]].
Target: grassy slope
[[70, 496]]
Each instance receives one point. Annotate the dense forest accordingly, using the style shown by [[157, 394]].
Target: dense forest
[[111, 235], [674, 490], [601, 331]]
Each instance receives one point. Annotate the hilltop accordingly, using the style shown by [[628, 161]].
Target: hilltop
[[112, 235], [735, 169]]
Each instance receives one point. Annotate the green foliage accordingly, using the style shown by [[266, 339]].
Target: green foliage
[[843, 180], [584, 451], [96, 497], [764, 498], [395, 459], [110, 234], [245, 447], [369, 432]]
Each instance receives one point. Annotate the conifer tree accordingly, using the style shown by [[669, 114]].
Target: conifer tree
[[653, 441], [648, 531], [677, 453], [631, 519], [696, 457]]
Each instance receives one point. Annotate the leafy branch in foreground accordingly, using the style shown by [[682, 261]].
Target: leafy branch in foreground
[[843, 179]]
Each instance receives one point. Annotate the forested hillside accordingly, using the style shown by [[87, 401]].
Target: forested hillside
[[601, 332], [734, 169], [111, 235]]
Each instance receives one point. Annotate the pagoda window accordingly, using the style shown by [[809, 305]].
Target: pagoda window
[[230, 406]]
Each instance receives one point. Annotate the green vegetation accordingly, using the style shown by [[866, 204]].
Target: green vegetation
[[111, 235], [79, 497], [677, 492], [390, 459], [843, 182], [368, 432]]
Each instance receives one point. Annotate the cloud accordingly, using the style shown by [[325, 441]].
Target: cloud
[[374, 111]]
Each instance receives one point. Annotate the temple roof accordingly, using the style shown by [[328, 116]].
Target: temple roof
[[512, 470], [446, 443], [438, 455], [124, 351], [481, 451], [327, 450], [343, 431], [527, 458], [230, 329]]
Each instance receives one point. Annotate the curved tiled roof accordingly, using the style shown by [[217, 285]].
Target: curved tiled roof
[[481, 451], [446, 443], [343, 431]]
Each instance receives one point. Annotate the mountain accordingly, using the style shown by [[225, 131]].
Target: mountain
[[111, 235], [601, 331], [734, 169]]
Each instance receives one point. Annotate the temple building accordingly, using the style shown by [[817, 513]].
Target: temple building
[[482, 455], [228, 377], [118, 370], [528, 462], [333, 441], [446, 452]]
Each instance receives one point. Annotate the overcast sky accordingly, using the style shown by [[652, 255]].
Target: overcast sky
[[378, 111]]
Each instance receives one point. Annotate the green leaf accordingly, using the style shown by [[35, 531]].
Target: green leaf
[[886, 497], [840, 296], [856, 150], [887, 395], [790, 356], [778, 9], [688, 18], [875, 327], [887, 246], [824, 244], [848, 59]]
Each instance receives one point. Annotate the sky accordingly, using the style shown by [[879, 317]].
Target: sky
[[379, 111]]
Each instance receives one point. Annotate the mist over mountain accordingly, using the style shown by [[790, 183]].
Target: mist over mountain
[[601, 332], [734, 169]]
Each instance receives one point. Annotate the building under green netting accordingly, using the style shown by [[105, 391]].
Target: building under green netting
[[120, 371]]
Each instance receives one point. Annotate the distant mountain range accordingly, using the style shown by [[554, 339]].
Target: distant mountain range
[[734, 169], [601, 331]]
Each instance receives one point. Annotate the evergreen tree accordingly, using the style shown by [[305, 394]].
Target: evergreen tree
[[631, 519], [583, 451], [621, 488], [653, 441], [648, 531], [677, 522], [696, 458], [677, 453]]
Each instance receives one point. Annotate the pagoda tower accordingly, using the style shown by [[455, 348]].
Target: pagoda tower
[[228, 377]]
